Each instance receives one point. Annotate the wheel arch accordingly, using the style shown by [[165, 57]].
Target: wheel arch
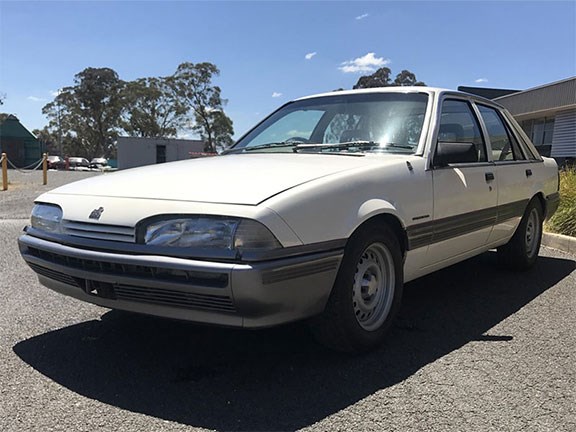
[[378, 212], [539, 196]]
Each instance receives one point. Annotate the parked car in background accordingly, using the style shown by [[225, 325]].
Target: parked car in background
[[55, 162], [98, 163], [78, 163], [321, 212]]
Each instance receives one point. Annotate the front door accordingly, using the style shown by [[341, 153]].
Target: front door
[[465, 192]]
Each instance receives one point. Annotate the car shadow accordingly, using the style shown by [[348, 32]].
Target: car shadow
[[278, 379]]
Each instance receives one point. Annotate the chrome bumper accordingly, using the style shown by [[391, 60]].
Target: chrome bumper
[[249, 295]]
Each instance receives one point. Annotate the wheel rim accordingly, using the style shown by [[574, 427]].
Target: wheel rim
[[532, 232], [373, 288]]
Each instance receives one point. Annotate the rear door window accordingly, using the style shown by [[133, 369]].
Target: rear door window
[[503, 143]]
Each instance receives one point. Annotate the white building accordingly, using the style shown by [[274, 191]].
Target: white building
[[136, 151]]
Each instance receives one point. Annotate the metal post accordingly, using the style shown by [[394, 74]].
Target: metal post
[[44, 168], [4, 160]]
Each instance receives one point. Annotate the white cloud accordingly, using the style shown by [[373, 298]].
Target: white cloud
[[310, 55], [481, 80], [367, 63], [276, 94], [55, 93], [361, 17], [36, 99]]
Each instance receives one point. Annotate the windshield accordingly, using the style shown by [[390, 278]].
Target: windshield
[[352, 123]]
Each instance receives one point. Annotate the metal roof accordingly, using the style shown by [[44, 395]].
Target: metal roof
[[550, 97]]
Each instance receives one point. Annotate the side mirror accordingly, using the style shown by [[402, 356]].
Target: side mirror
[[454, 152]]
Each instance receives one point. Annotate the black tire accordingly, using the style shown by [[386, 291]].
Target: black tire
[[347, 323], [521, 252]]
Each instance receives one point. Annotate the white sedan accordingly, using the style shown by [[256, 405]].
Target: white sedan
[[320, 212]]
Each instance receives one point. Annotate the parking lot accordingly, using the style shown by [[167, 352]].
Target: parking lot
[[475, 348]]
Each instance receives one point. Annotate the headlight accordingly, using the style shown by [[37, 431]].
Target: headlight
[[210, 232], [46, 217]]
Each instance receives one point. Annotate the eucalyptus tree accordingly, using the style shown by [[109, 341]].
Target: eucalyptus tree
[[382, 78], [152, 108], [90, 110], [192, 84]]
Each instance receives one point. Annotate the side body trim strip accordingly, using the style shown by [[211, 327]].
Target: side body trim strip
[[427, 233]]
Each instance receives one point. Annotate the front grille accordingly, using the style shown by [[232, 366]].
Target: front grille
[[174, 298], [199, 278], [141, 294], [99, 231], [52, 274]]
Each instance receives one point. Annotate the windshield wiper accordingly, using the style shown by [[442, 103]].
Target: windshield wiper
[[352, 144], [262, 146], [301, 146], [347, 144]]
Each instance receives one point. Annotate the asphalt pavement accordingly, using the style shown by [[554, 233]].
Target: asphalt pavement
[[476, 348]]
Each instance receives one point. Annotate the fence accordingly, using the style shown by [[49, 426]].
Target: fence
[[4, 162]]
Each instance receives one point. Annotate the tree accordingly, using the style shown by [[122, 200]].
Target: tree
[[65, 145], [407, 78], [153, 109], [90, 111], [381, 78], [192, 84]]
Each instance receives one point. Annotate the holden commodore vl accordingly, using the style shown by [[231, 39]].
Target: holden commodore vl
[[321, 212]]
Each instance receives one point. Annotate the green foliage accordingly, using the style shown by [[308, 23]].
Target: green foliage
[[86, 118], [381, 78], [152, 108], [89, 111], [407, 78], [65, 145], [192, 84], [564, 220]]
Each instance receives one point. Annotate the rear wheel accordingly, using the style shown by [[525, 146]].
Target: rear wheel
[[521, 252], [366, 295]]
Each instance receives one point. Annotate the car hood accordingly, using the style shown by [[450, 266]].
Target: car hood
[[247, 179]]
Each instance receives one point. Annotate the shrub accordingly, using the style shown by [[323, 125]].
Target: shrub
[[564, 220]]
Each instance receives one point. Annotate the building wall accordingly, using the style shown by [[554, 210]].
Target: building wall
[[547, 98], [564, 138], [18, 143], [135, 151], [548, 116]]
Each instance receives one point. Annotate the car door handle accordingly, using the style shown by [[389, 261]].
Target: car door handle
[[489, 176], [528, 172]]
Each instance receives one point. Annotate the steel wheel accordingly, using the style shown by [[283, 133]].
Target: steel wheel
[[532, 235], [373, 286], [367, 291], [521, 252]]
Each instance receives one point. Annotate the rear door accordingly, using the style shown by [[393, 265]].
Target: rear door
[[513, 172]]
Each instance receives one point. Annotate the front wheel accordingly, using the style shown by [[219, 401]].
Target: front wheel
[[521, 252], [367, 292]]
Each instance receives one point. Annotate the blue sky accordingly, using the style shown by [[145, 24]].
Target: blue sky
[[261, 47]]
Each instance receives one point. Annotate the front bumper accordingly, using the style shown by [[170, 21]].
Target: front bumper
[[252, 295]]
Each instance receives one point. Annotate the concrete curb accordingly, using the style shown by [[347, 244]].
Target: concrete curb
[[560, 242]]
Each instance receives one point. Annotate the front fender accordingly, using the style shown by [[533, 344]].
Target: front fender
[[376, 207]]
